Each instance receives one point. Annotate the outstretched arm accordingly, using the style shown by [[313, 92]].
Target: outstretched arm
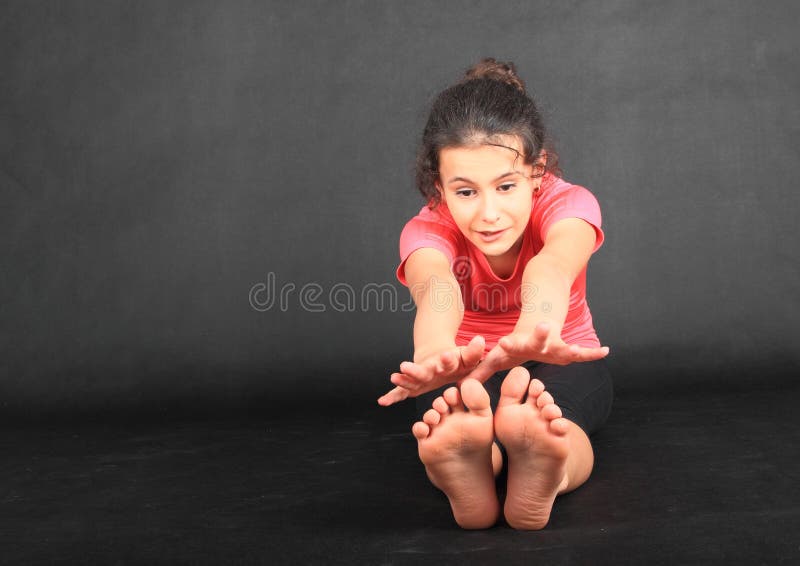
[[546, 284], [440, 308]]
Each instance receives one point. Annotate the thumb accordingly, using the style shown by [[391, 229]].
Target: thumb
[[511, 344], [473, 352]]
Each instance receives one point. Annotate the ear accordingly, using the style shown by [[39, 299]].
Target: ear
[[539, 164], [540, 161], [438, 184]]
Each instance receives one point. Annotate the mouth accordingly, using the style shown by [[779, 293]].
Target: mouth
[[491, 236]]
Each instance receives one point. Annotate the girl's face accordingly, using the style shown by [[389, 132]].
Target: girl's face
[[489, 192]]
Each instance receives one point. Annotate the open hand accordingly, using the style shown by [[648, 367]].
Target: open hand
[[541, 345], [434, 371]]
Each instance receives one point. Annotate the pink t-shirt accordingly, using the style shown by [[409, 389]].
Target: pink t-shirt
[[491, 304]]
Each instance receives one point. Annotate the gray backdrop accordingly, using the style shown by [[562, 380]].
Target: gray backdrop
[[162, 162]]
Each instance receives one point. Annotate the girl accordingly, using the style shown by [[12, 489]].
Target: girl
[[496, 264]]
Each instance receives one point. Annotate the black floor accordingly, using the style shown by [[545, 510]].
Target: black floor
[[697, 479]]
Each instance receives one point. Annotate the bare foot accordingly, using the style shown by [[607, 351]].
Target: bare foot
[[455, 444], [534, 434]]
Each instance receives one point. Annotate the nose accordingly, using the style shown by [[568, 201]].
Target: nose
[[490, 212]]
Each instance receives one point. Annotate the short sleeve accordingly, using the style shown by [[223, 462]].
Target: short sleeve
[[419, 233], [574, 202]]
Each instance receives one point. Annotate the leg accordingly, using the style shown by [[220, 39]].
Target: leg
[[580, 459], [456, 445]]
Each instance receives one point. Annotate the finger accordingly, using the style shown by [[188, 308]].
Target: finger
[[511, 345], [471, 353], [525, 345], [477, 344], [563, 354], [441, 363], [450, 360], [402, 380], [420, 372], [395, 395], [582, 354], [540, 335], [594, 353]]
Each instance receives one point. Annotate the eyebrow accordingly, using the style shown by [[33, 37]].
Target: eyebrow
[[464, 179]]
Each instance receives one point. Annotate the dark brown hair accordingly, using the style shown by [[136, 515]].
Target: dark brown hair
[[490, 101]]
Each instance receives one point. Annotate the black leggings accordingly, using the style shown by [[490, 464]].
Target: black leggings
[[583, 391]]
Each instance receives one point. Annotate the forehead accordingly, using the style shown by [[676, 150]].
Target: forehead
[[483, 156]]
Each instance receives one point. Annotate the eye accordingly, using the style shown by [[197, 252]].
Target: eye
[[465, 192], [507, 187]]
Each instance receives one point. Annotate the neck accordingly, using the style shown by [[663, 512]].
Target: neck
[[503, 265]]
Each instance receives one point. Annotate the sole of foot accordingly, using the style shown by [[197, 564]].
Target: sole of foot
[[534, 433], [455, 439]]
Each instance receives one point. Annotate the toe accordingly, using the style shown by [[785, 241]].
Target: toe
[[475, 396], [559, 426], [420, 430], [453, 398], [431, 417], [544, 399], [536, 387], [514, 386], [551, 411], [441, 405]]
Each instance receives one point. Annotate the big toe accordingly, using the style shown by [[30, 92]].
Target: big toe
[[475, 396], [514, 386]]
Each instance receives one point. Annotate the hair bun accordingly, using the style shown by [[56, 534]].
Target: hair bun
[[489, 68]]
